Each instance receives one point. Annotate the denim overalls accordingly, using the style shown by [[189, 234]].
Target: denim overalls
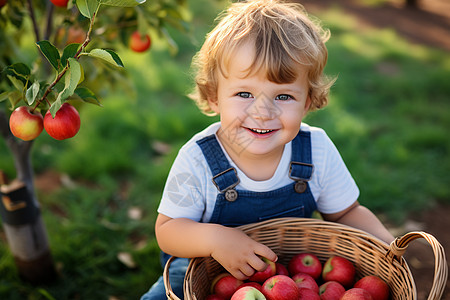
[[238, 207]]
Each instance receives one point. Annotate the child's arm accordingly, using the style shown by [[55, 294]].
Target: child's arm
[[231, 247], [360, 217]]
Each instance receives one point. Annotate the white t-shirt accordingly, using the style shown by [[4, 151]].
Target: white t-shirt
[[190, 193]]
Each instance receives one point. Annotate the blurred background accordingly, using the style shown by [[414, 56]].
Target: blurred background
[[389, 116]]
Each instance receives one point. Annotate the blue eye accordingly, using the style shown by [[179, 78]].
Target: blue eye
[[284, 97], [244, 94]]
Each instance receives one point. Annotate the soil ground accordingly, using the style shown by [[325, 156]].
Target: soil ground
[[427, 24]]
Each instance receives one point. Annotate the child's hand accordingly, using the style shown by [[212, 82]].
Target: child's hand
[[239, 254]]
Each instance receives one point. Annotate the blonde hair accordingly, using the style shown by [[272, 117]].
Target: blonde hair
[[284, 36]]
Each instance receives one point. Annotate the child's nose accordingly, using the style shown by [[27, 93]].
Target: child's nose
[[263, 108]]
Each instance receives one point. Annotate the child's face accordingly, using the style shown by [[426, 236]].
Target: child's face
[[258, 117]]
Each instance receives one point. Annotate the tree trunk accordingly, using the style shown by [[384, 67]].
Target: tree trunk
[[20, 212]]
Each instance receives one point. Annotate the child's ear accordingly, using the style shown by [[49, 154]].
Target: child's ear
[[307, 105], [213, 103]]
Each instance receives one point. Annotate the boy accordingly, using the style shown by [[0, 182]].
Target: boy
[[260, 69]]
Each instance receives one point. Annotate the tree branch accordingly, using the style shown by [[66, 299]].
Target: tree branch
[[33, 20], [49, 27]]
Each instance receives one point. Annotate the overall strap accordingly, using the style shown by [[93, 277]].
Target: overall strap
[[301, 167], [224, 175]]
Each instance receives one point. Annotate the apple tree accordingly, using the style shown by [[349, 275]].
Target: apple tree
[[73, 58]]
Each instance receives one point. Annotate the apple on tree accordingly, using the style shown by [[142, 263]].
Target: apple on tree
[[331, 290], [280, 287], [24, 124], [60, 3], [269, 271], [3, 3], [340, 269], [248, 293], [138, 42], [65, 124], [305, 263], [377, 287], [356, 294]]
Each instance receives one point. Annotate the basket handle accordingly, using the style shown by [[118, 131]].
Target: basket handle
[[169, 292], [398, 248]]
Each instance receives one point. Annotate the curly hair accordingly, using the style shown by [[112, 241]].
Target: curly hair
[[284, 36]]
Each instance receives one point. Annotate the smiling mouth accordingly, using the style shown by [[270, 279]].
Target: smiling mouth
[[261, 131]]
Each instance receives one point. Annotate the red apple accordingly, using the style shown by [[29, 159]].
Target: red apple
[[225, 285], [3, 3], [304, 280], [331, 290], [60, 3], [356, 294], [308, 294], [305, 263], [248, 293], [65, 124], [377, 287], [214, 297], [269, 271], [24, 124], [281, 269], [252, 284], [280, 287], [138, 42], [340, 269]]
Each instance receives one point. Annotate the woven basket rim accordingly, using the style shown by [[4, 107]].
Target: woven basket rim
[[389, 254]]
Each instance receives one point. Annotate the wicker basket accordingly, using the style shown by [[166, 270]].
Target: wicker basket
[[289, 236]]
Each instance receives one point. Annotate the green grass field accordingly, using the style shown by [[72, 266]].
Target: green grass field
[[388, 115]]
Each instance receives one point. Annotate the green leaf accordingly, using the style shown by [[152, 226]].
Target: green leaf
[[18, 69], [14, 98], [4, 96], [50, 52], [18, 84], [122, 3], [32, 93], [71, 79], [88, 7], [69, 51], [107, 55], [87, 95]]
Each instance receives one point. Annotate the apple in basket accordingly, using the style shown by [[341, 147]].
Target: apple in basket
[[356, 294], [377, 287], [304, 280], [248, 293], [269, 271], [280, 287], [340, 269], [331, 290], [214, 297], [281, 269], [224, 285], [308, 294], [305, 263], [256, 285]]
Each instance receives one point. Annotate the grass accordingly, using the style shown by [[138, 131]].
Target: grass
[[388, 115]]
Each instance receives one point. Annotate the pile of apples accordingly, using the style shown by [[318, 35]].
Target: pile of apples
[[304, 278]]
